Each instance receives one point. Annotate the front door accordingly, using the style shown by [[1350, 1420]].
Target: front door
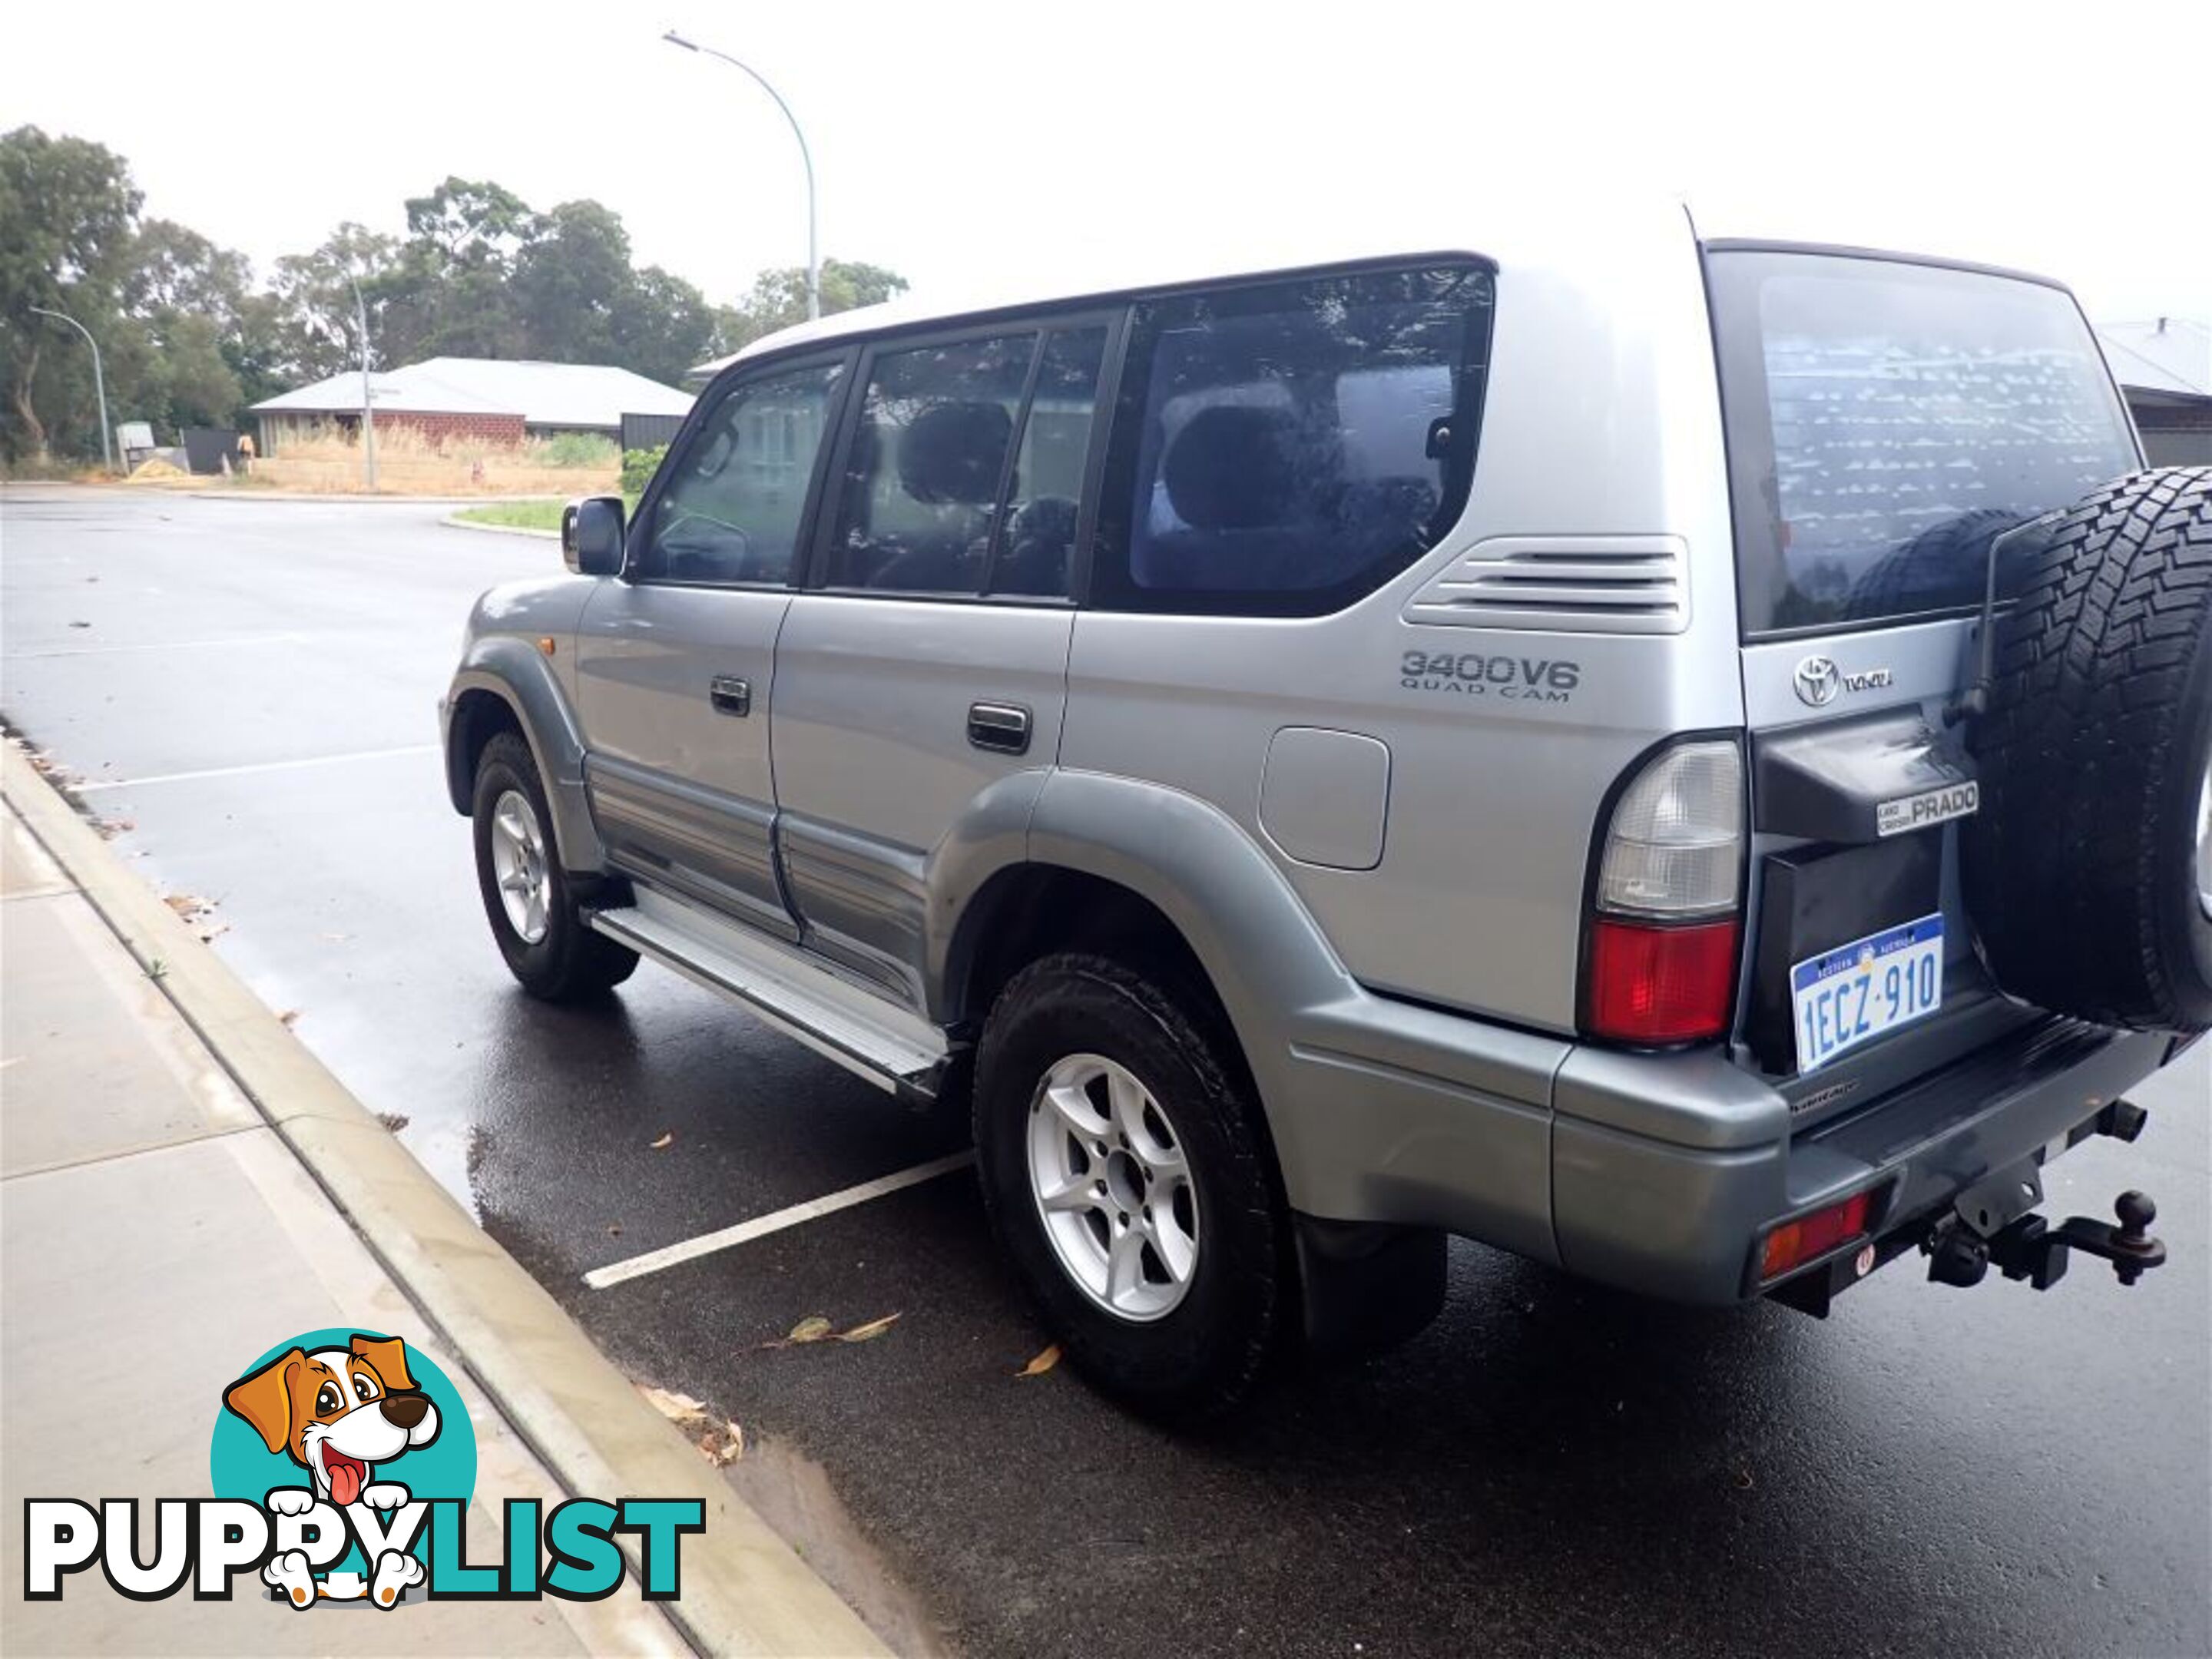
[[675, 661], [930, 661]]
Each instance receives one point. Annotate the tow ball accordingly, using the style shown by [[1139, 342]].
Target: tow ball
[[2029, 1247]]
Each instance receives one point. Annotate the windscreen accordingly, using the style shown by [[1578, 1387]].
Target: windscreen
[[1885, 420]]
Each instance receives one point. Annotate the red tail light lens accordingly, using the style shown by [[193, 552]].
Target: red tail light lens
[[1795, 1243], [1659, 985]]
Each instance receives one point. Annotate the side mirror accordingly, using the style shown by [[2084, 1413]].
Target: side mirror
[[592, 535]]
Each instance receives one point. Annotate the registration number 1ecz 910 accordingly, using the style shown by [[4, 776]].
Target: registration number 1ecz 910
[[1856, 992]]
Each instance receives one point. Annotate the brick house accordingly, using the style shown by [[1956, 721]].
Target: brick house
[[478, 400]]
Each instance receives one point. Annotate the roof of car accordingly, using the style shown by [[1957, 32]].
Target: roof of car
[[1530, 227]]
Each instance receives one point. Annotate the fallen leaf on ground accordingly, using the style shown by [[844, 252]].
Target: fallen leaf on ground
[[188, 905], [869, 1331], [287, 1017], [676, 1407], [724, 1445], [1044, 1363], [813, 1329], [664, 1143]]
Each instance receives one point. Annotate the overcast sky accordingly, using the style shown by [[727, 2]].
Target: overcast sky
[[958, 141]]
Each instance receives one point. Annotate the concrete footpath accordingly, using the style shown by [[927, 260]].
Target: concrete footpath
[[182, 1186]]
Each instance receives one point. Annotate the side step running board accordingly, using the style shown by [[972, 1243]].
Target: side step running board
[[869, 1035]]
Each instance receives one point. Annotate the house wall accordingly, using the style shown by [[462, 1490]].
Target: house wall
[[2176, 431]]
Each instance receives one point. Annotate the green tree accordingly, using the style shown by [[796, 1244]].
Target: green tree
[[67, 211], [778, 300], [308, 330], [451, 296], [664, 327], [572, 279]]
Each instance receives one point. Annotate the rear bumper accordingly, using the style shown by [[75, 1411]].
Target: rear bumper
[[1650, 1213], [1655, 1173]]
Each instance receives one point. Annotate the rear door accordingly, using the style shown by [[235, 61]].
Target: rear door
[[676, 660], [929, 660], [1887, 422]]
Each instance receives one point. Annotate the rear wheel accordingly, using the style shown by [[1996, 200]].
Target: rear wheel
[[2088, 869], [530, 901], [1131, 1187]]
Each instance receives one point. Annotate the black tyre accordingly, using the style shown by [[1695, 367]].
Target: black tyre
[[530, 901], [1132, 1186], [2088, 869]]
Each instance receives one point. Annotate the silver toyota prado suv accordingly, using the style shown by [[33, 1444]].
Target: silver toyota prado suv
[[1685, 757]]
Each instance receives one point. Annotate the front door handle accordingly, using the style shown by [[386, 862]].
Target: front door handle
[[730, 694], [1002, 727]]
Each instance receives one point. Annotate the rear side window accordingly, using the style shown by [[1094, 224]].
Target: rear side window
[[1887, 420], [1282, 449], [929, 456]]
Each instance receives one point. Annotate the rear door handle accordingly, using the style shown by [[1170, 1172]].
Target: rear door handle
[[1002, 727], [730, 694]]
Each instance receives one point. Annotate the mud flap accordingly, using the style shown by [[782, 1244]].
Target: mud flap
[[1363, 1287]]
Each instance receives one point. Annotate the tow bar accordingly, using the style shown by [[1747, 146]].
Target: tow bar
[[2029, 1247]]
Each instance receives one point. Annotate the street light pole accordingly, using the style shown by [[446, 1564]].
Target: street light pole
[[98, 381], [368, 410], [814, 260]]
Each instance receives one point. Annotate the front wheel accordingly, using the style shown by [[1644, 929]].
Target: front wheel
[[1131, 1186], [527, 897]]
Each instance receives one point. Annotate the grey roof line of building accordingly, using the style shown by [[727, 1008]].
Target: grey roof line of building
[[543, 393]]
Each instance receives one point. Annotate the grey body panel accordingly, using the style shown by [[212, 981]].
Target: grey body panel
[[500, 658], [1503, 741], [873, 763], [681, 789]]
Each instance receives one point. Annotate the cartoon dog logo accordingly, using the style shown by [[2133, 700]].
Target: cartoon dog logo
[[339, 1413]]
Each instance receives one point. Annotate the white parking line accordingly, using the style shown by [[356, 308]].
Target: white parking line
[[652, 1261], [251, 767]]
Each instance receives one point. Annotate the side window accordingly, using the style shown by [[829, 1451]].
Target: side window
[[733, 510], [1283, 448], [919, 498], [1038, 538]]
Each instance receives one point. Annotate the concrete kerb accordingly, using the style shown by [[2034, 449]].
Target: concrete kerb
[[745, 1591], [459, 523]]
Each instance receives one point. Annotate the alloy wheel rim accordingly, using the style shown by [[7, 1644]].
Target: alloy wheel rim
[[519, 867], [1113, 1187], [2204, 843]]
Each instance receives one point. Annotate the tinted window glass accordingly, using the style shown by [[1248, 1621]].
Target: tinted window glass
[[1284, 448], [733, 508], [922, 481], [1886, 421], [1038, 540]]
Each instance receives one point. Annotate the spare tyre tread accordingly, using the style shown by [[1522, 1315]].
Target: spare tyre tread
[[2097, 665]]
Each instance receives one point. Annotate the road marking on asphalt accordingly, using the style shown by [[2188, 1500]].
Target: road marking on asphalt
[[169, 645], [253, 766], [670, 1256]]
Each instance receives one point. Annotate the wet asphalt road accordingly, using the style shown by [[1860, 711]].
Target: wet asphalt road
[[1549, 1469]]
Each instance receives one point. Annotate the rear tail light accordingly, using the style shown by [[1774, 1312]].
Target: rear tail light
[[1795, 1242], [1664, 933]]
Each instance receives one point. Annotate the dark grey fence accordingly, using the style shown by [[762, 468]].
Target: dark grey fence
[[648, 431]]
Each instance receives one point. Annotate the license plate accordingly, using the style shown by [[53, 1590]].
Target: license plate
[[1856, 992]]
